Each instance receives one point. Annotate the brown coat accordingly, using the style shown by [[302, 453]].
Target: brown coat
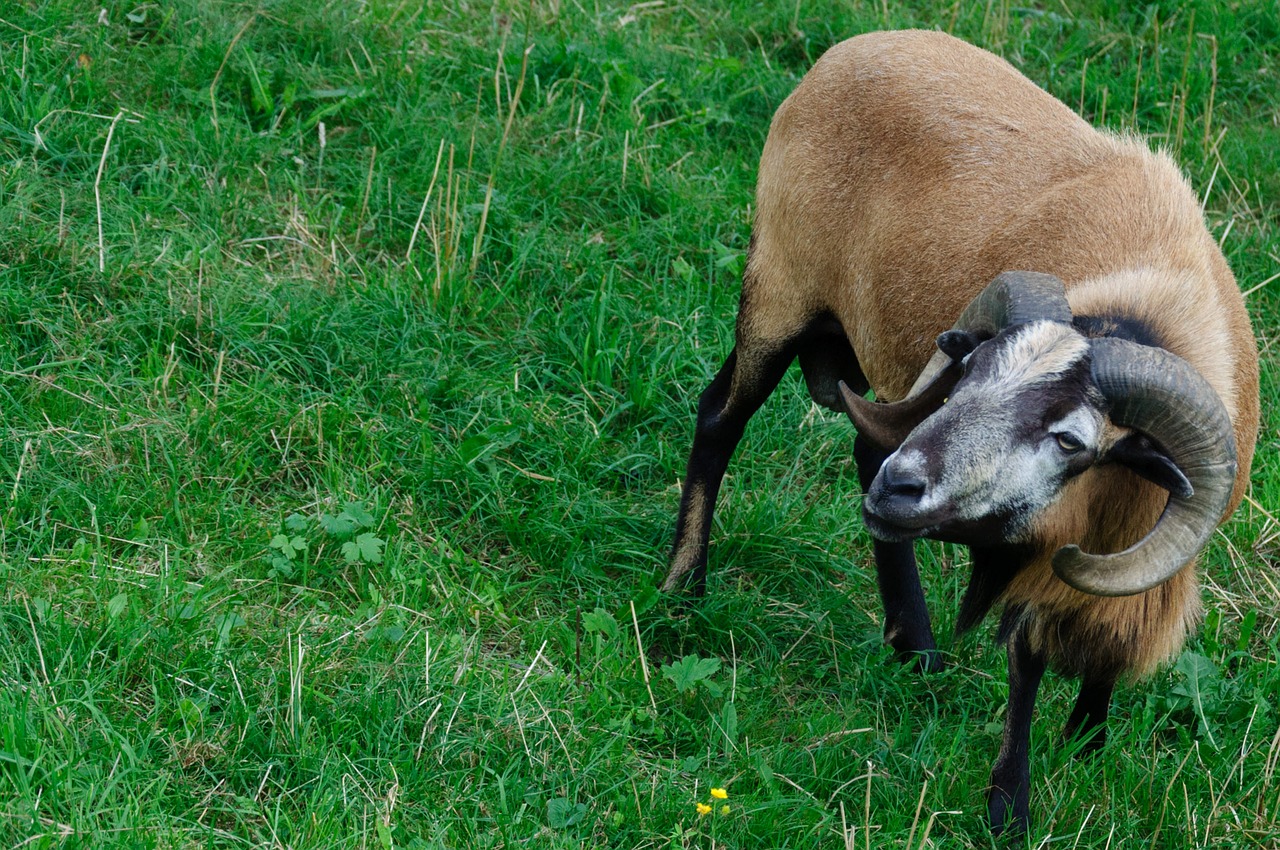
[[905, 172]]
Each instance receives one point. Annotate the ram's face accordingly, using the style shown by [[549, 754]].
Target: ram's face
[[1024, 419]]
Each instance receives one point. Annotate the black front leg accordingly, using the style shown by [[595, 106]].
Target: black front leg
[[1088, 720], [1008, 798], [906, 617]]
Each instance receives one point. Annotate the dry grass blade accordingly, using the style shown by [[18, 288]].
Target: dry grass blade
[[97, 190]]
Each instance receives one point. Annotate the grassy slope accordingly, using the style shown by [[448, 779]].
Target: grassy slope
[[323, 529]]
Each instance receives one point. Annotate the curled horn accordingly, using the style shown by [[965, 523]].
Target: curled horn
[[1015, 298], [1161, 395], [1012, 298]]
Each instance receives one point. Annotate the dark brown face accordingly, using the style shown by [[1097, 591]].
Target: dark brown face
[[1024, 418]]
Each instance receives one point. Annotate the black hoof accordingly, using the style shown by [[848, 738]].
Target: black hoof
[[917, 649], [1009, 817], [925, 660], [692, 583], [1090, 739]]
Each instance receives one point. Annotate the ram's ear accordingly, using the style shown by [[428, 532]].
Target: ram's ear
[[1140, 454], [958, 344]]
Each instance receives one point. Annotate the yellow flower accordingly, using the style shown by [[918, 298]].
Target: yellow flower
[[724, 810], [703, 809], [719, 793]]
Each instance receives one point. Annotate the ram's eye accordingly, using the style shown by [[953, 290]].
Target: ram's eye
[[1068, 443]]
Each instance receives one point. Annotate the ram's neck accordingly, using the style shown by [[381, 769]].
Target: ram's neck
[[1118, 326]]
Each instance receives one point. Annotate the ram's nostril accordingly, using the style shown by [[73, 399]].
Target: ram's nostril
[[912, 488], [903, 484]]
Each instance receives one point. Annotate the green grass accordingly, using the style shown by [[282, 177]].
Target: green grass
[[345, 394]]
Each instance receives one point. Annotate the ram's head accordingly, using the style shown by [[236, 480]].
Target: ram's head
[[1020, 403]]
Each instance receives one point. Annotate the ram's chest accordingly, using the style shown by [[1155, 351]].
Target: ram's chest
[[1127, 637]]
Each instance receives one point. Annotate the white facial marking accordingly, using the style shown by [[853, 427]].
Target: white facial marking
[[1038, 353]]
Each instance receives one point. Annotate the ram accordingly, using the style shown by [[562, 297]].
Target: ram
[[1066, 380]]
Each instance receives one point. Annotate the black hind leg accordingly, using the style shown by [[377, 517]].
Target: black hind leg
[[906, 618], [826, 359], [740, 387]]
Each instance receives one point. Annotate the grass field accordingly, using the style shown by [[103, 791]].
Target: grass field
[[348, 360]]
